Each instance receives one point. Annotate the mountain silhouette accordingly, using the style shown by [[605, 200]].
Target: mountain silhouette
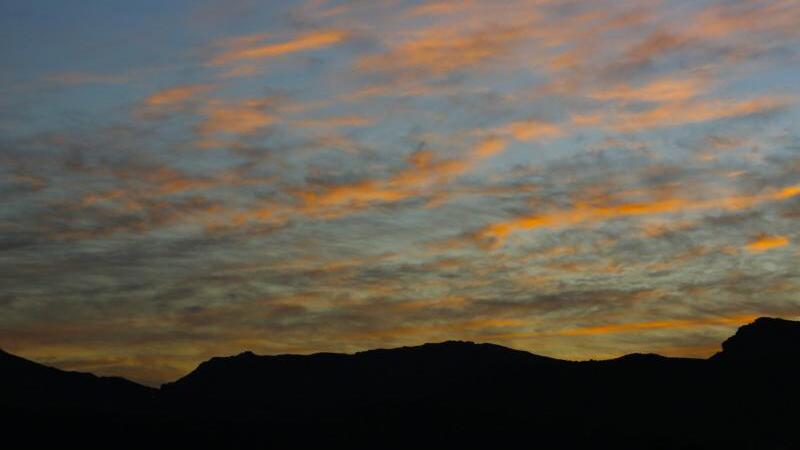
[[27, 384], [765, 340], [445, 394]]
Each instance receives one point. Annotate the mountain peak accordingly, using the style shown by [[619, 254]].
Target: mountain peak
[[767, 338], [641, 357], [455, 343], [455, 349]]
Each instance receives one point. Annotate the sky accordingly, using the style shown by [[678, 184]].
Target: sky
[[580, 179]]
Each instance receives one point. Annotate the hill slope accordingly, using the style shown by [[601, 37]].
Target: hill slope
[[441, 394]]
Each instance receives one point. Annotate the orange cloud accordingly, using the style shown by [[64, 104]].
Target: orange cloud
[[763, 243], [496, 233], [423, 177], [682, 258], [609, 44], [310, 41], [451, 330], [175, 95], [243, 117], [672, 114], [438, 52], [788, 192], [663, 90], [656, 325], [656, 46], [721, 21], [439, 8], [527, 130], [335, 122], [489, 147]]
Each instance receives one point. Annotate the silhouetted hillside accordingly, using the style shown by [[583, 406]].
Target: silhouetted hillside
[[31, 385], [446, 394], [342, 381], [766, 339]]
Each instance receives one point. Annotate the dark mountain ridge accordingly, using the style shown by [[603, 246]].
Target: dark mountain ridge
[[447, 393], [27, 384], [765, 340]]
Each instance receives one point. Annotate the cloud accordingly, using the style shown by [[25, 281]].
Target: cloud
[[764, 243], [175, 95], [672, 114], [240, 117], [489, 147], [656, 325], [249, 49], [425, 176], [334, 122], [527, 130], [495, 234], [140, 216], [744, 18], [434, 8], [440, 52], [660, 90], [432, 332]]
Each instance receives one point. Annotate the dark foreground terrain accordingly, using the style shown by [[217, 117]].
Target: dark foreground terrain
[[451, 394]]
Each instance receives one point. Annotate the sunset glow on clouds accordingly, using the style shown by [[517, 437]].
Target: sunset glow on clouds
[[577, 179]]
